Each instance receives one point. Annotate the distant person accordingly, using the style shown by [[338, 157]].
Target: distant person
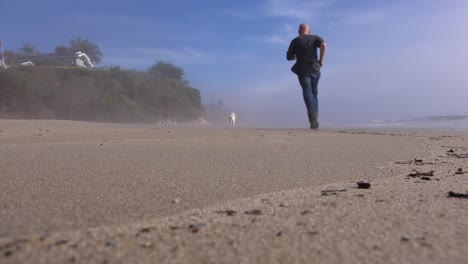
[[303, 49], [232, 119]]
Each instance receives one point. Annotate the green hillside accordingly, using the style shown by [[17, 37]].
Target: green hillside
[[109, 95]]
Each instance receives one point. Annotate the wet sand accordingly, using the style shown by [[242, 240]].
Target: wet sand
[[88, 193]]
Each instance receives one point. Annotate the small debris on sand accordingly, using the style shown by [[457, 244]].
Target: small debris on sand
[[111, 243], [145, 230], [460, 156], [146, 244], [415, 162], [176, 201], [61, 242], [419, 174], [404, 162], [254, 212], [405, 239], [332, 192], [363, 185], [227, 212], [195, 228], [458, 195]]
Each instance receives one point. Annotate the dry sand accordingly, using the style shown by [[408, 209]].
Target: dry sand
[[75, 192]]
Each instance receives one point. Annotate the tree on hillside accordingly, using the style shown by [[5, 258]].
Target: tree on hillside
[[169, 70], [11, 56], [28, 49], [62, 50], [84, 45]]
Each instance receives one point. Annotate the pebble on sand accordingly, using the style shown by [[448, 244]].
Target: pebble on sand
[[363, 185]]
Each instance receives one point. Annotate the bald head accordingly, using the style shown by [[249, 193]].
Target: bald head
[[304, 29]]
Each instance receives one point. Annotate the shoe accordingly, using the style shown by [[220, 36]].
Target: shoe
[[314, 125]]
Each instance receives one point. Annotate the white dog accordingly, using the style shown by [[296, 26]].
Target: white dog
[[232, 119]]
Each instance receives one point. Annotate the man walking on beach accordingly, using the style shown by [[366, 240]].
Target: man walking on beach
[[303, 49]]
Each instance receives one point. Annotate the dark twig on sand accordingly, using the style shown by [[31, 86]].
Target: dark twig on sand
[[458, 195], [332, 192], [414, 174], [414, 162], [460, 156]]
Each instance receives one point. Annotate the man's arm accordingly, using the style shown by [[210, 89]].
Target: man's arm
[[290, 55], [323, 49]]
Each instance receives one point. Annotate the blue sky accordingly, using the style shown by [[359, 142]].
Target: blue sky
[[385, 60]]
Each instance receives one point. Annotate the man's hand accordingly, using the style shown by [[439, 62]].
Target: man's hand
[[323, 49], [290, 56]]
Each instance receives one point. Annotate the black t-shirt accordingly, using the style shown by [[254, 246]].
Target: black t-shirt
[[304, 48]]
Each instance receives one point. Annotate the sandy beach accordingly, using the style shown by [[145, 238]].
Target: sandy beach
[[77, 192]]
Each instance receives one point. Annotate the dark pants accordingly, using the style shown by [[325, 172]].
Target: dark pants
[[309, 84]]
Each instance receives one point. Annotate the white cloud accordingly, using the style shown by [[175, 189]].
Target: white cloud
[[358, 18], [326, 11], [275, 39], [297, 9], [282, 37], [244, 15]]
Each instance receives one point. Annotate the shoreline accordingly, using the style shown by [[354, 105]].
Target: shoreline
[[403, 126]]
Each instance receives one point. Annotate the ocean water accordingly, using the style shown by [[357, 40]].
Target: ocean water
[[437, 123]]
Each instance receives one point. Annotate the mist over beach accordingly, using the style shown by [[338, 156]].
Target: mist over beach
[[434, 123]]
